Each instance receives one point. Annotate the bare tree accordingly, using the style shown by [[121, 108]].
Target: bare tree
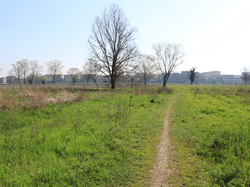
[[86, 73], [74, 74], [168, 57], [133, 75], [91, 71], [17, 70], [25, 68], [192, 75], [146, 66], [245, 74], [54, 68], [87, 70], [0, 70], [35, 69], [112, 44], [11, 76]]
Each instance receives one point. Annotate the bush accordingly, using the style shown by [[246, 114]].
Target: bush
[[44, 79]]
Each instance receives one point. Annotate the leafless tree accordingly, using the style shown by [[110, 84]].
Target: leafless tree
[[112, 44], [35, 69], [146, 66], [87, 70], [86, 74], [17, 70], [133, 75], [54, 68], [245, 74], [0, 70], [91, 71], [168, 57], [11, 76], [74, 74], [25, 68]]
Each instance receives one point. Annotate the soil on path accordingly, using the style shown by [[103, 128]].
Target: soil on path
[[161, 172]]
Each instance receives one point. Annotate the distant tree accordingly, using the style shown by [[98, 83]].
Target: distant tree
[[0, 70], [54, 68], [168, 57], [112, 44], [30, 79], [11, 77], [26, 68], [192, 75], [146, 66], [74, 74], [133, 75], [214, 81], [35, 70], [245, 74], [85, 76], [92, 71], [17, 70], [87, 70], [44, 79]]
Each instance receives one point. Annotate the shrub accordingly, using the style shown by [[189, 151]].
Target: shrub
[[44, 79]]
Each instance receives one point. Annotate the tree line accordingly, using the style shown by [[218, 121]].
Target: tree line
[[113, 54], [31, 68]]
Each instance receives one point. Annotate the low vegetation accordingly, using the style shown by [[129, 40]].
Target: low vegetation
[[74, 137], [210, 132]]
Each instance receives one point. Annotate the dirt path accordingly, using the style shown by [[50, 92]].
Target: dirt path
[[161, 171]]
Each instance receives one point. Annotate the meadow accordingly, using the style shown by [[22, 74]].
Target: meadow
[[70, 136], [79, 137], [210, 129]]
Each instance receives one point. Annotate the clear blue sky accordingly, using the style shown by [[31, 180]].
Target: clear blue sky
[[215, 33]]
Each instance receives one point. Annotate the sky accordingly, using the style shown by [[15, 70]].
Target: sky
[[215, 34]]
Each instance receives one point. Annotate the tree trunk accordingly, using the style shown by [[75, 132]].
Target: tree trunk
[[165, 79], [88, 79], [164, 82], [145, 79], [54, 79], [112, 85], [32, 80], [96, 84], [112, 81], [24, 78]]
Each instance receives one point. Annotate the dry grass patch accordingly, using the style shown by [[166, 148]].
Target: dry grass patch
[[34, 98]]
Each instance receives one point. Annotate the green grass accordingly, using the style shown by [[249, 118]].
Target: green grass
[[210, 129], [107, 139]]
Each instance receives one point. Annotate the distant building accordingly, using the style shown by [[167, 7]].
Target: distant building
[[210, 74], [227, 79], [65, 77], [184, 73], [49, 76], [237, 79], [3, 80]]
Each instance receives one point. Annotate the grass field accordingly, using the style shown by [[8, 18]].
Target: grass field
[[76, 137], [210, 130], [56, 136]]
